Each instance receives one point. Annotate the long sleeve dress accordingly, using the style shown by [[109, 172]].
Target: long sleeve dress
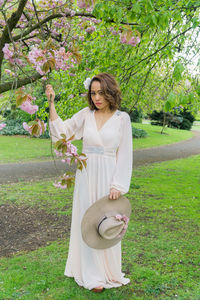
[[109, 164]]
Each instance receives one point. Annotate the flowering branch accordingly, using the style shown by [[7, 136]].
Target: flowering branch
[[68, 152]]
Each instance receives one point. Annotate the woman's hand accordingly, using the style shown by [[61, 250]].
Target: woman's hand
[[114, 194], [50, 93]]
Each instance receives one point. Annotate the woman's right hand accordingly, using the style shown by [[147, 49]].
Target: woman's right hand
[[50, 93]]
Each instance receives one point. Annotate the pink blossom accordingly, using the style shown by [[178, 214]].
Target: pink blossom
[[123, 39], [90, 29], [133, 41], [2, 125], [72, 13], [71, 96], [81, 38], [73, 150], [58, 153], [59, 185], [26, 127], [81, 4], [67, 10], [8, 54], [9, 72], [72, 74], [28, 107], [29, 128]]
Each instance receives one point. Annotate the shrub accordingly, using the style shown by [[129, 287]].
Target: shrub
[[138, 133], [182, 119], [15, 127]]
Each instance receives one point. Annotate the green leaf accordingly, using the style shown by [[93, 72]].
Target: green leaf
[[178, 70], [167, 106]]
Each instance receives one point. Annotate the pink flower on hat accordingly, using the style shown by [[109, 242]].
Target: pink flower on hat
[[125, 219]]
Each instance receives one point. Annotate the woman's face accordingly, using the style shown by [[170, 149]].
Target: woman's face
[[97, 96]]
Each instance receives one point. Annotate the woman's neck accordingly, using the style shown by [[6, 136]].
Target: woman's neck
[[105, 110]]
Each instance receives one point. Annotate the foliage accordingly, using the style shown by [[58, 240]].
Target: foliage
[[129, 39], [182, 119], [135, 115], [138, 133], [13, 127], [65, 149]]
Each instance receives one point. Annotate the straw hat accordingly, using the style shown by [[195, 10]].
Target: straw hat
[[105, 222]]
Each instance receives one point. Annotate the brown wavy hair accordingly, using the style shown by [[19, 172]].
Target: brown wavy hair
[[110, 89]]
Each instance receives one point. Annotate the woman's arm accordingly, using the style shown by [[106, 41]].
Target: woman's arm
[[70, 127], [51, 96]]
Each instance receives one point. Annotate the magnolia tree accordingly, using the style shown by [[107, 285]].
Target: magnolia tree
[[40, 39]]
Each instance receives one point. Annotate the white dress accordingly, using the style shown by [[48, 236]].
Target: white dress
[[109, 164]]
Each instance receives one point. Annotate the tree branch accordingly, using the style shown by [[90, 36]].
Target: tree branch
[[12, 22], [160, 49], [56, 16], [4, 87]]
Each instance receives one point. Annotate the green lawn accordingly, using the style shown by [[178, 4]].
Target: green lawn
[[155, 138], [196, 127], [40, 149], [23, 148], [160, 250], [13, 149]]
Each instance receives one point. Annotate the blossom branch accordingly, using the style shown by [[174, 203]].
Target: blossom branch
[[4, 87]]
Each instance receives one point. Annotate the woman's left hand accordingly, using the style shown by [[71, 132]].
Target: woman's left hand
[[114, 194]]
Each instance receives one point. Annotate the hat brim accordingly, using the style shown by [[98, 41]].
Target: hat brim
[[93, 216]]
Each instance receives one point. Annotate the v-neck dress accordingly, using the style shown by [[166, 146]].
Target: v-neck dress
[[109, 164]]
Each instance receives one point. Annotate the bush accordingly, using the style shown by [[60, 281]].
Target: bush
[[15, 127], [182, 119], [138, 133]]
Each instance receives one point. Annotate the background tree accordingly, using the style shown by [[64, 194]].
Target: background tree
[[72, 40]]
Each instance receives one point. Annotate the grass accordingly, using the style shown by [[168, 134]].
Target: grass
[[20, 148], [156, 139], [23, 148], [40, 149], [160, 250], [196, 127]]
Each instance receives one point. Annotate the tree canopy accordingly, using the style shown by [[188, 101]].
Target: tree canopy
[[145, 44]]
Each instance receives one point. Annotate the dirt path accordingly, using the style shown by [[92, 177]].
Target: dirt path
[[26, 229], [15, 172]]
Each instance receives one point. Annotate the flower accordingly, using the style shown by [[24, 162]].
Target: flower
[[59, 185], [118, 217], [28, 107], [41, 127], [133, 41], [2, 125], [125, 219], [81, 4], [90, 29], [7, 53], [87, 83]]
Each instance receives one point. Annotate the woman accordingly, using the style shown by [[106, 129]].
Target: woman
[[107, 142]]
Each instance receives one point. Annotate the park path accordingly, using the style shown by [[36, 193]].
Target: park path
[[27, 171]]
